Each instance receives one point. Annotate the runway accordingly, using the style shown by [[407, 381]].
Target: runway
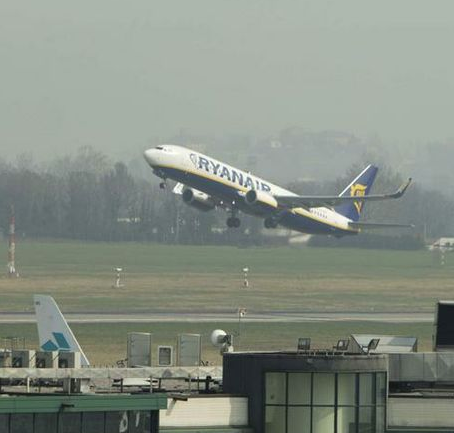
[[213, 316]]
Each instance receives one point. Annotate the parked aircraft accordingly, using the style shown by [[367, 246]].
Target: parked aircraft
[[206, 183], [54, 332]]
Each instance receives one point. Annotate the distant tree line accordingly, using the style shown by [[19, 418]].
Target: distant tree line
[[88, 197]]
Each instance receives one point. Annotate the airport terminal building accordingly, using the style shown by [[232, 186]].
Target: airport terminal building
[[97, 413], [292, 392], [263, 392], [368, 383]]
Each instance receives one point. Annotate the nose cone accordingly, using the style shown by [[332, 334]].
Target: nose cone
[[151, 156]]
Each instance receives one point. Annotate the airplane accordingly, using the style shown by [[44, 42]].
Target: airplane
[[54, 332], [205, 183]]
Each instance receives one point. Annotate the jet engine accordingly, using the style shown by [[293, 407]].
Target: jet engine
[[261, 200], [198, 199]]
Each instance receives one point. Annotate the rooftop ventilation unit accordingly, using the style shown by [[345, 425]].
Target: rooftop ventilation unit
[[69, 360], [189, 349], [23, 358], [304, 344], [48, 359], [165, 356], [342, 345], [139, 349]]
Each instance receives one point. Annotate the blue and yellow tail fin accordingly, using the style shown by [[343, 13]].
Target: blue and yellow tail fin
[[360, 186]]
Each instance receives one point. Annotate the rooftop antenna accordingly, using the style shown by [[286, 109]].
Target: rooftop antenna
[[12, 246]]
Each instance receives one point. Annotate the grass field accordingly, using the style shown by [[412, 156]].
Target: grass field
[[105, 343], [180, 278], [183, 278]]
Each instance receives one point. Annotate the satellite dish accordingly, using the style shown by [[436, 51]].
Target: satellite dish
[[218, 337], [222, 340]]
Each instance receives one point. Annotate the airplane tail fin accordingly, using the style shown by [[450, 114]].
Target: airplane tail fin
[[360, 186], [53, 330]]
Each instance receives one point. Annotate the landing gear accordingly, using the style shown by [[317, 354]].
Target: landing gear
[[270, 223], [233, 222]]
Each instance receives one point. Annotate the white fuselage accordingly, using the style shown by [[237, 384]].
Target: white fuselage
[[230, 185]]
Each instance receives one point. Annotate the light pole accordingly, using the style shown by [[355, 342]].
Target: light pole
[[12, 246], [241, 313], [118, 284], [245, 273], [242, 310]]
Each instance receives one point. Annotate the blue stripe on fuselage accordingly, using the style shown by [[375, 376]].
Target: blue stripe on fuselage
[[307, 225], [228, 193], [208, 186]]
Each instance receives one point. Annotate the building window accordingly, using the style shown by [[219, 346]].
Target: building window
[[325, 402], [92, 422], [299, 388], [299, 419], [139, 421], [69, 422], [45, 422], [85, 422], [346, 389], [275, 419], [21, 422], [276, 386], [323, 419], [346, 419], [4, 422], [323, 389]]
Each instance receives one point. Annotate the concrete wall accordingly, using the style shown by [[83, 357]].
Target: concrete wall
[[205, 411], [421, 367], [212, 430], [420, 412]]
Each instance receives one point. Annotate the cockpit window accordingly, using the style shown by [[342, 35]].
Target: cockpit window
[[167, 149]]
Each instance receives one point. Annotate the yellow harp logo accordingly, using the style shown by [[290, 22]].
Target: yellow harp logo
[[358, 190]]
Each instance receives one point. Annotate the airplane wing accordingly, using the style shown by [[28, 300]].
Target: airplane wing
[[179, 189], [316, 201], [371, 226]]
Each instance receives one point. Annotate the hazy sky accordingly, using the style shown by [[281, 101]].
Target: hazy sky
[[120, 74]]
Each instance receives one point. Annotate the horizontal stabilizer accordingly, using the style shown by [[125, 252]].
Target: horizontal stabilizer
[[372, 226], [315, 201]]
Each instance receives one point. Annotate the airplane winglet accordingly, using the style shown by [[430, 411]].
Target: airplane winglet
[[401, 191]]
